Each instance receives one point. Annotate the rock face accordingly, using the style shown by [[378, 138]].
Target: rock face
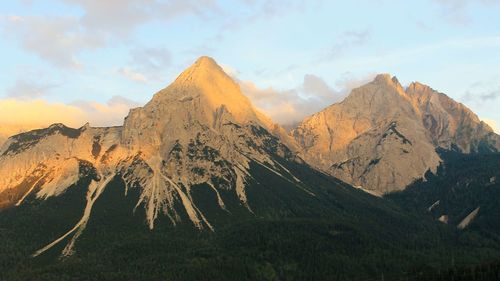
[[383, 137], [450, 124], [200, 130]]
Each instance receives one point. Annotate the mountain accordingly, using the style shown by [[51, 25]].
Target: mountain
[[199, 185], [199, 130], [383, 137]]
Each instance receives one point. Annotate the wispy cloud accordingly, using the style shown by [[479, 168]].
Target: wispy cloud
[[484, 91], [151, 59], [482, 96], [456, 11], [260, 10], [147, 64], [347, 40], [403, 56], [29, 89], [132, 75]]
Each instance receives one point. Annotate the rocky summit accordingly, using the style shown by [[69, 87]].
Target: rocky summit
[[199, 130], [383, 137]]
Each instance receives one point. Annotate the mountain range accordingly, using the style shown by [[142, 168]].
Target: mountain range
[[200, 178]]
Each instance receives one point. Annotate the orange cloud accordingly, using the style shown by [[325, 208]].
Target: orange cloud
[[22, 115]]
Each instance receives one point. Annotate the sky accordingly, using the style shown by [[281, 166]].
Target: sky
[[74, 61]]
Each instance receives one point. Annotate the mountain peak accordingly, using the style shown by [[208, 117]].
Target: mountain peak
[[201, 90], [206, 61], [206, 70], [418, 87], [386, 78], [384, 87], [382, 77]]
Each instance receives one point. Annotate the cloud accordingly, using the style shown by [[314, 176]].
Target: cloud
[[28, 89], [317, 87], [493, 124], [60, 39], [110, 113], [21, 115], [98, 24], [455, 11], [284, 107], [347, 40], [481, 97], [119, 101], [231, 71], [38, 113], [293, 105], [132, 75], [147, 64], [120, 18], [151, 59], [261, 10], [112, 17], [55, 39]]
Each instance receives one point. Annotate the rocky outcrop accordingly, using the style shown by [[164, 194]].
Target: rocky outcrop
[[382, 137]]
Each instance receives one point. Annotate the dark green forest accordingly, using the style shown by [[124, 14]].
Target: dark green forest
[[341, 233], [463, 183]]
